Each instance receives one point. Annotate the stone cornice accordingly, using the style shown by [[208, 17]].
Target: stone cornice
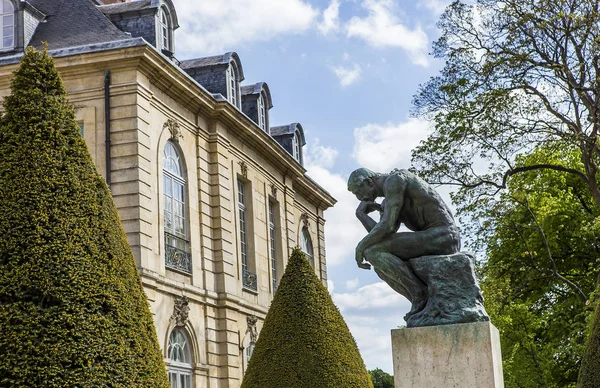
[[181, 87]]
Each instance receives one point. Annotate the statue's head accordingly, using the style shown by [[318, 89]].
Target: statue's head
[[361, 183]]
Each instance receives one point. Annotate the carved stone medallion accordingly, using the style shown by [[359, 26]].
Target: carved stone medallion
[[251, 330], [244, 169], [273, 190], [174, 128], [181, 311], [304, 218]]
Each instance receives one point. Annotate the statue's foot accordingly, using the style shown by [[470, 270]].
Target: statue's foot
[[419, 301]]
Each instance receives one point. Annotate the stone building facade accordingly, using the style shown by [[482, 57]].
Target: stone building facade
[[211, 196]]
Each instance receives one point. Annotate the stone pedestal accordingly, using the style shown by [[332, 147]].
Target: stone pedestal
[[465, 355]]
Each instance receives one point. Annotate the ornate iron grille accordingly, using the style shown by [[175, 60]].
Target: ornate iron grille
[[249, 280], [176, 257]]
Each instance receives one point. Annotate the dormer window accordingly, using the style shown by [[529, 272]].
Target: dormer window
[[8, 25], [165, 30], [262, 112], [291, 138], [296, 147], [233, 85]]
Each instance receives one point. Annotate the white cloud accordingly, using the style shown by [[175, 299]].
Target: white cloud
[[215, 26], [382, 148], [330, 286], [435, 6], [383, 29], [319, 155], [374, 296], [347, 76], [374, 344], [371, 312], [342, 230], [352, 284], [331, 18]]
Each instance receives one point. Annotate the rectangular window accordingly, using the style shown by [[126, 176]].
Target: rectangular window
[[179, 379], [248, 277], [273, 242], [81, 128]]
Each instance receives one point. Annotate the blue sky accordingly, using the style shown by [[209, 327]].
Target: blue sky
[[346, 70]]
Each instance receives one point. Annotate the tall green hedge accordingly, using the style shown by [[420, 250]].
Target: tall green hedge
[[73, 312], [305, 342], [589, 373]]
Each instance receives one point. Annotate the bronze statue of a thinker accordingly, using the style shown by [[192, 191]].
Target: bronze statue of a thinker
[[411, 201]]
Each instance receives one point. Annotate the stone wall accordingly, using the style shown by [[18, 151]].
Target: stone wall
[[145, 95]]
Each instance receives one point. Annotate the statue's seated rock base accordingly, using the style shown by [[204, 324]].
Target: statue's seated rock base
[[453, 293]]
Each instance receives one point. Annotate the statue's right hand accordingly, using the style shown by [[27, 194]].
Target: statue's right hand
[[366, 207], [364, 265]]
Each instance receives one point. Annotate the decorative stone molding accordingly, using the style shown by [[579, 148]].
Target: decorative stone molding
[[181, 311], [244, 168], [175, 129], [305, 220], [251, 330], [273, 190]]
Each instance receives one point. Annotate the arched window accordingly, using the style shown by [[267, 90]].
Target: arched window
[[8, 25], [249, 351], [233, 84], [164, 29], [176, 237], [306, 245], [180, 360]]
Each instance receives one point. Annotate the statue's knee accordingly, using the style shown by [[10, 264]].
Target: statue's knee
[[373, 256], [371, 252]]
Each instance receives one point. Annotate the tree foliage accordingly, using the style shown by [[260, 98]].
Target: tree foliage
[[589, 375], [518, 74], [304, 341], [381, 379], [73, 312], [542, 242]]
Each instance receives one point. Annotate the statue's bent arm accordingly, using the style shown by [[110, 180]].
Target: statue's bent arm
[[390, 220], [364, 218]]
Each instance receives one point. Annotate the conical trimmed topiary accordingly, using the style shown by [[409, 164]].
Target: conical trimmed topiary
[[305, 342], [589, 373], [73, 312]]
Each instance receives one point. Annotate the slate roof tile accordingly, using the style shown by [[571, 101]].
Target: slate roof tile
[[73, 23]]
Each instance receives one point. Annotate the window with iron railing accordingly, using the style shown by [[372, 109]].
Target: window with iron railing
[[177, 248], [273, 243], [249, 279]]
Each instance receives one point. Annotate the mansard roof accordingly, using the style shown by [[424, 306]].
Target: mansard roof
[[139, 6], [289, 130], [130, 6], [71, 23], [214, 61], [256, 89]]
